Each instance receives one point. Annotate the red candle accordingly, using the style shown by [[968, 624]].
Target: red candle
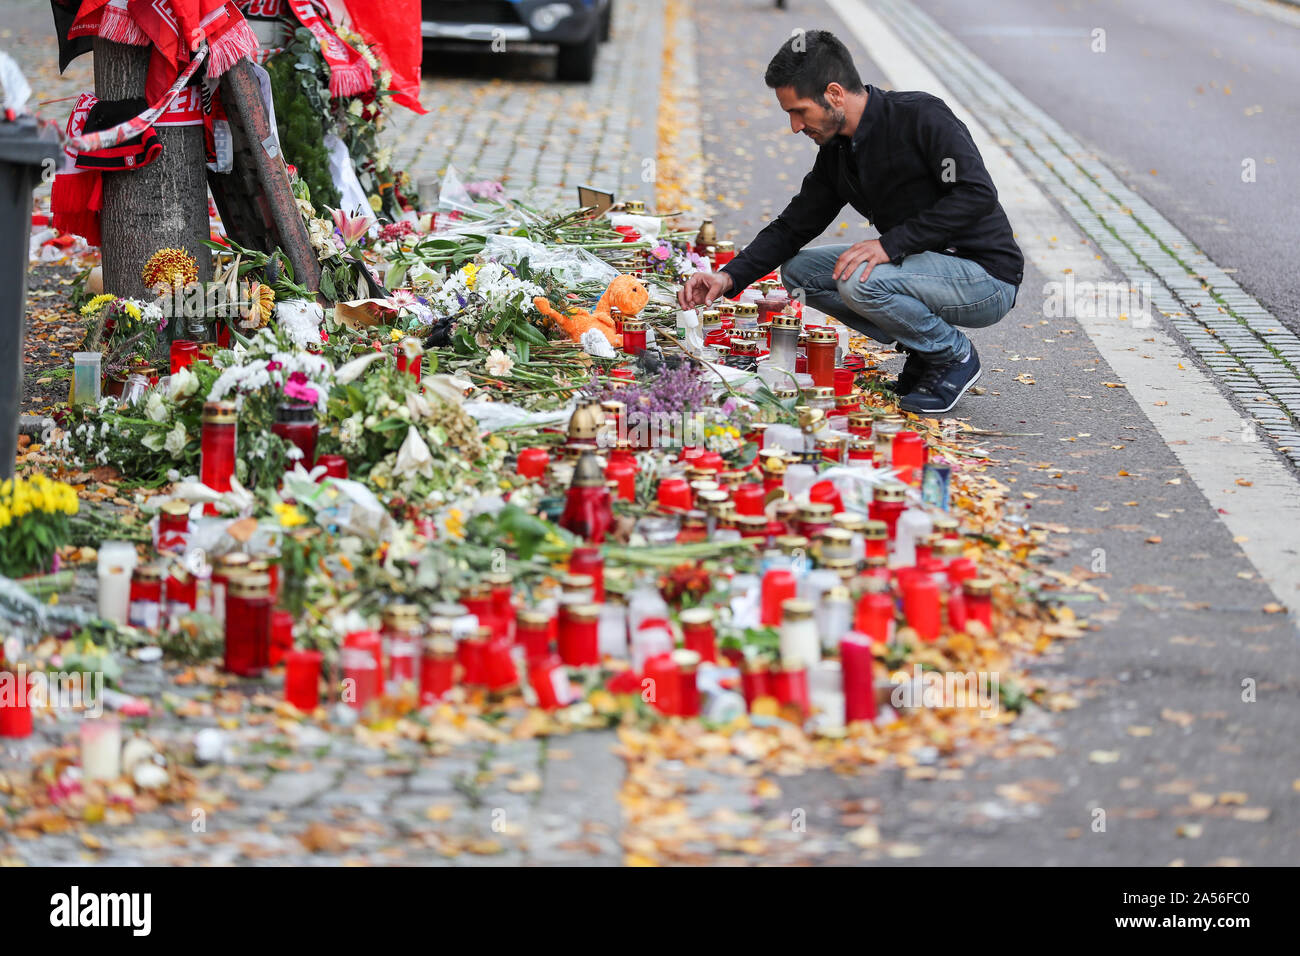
[[295, 423], [437, 663], [182, 593], [589, 561], [469, 652], [634, 335], [217, 445], [876, 537], [887, 504], [825, 492], [578, 638], [821, 357], [978, 593], [302, 679], [874, 616], [498, 664], [754, 681], [623, 475], [503, 603], [532, 462], [778, 585], [550, 681], [957, 615], [688, 689], [665, 690], [962, 569], [622, 371], [908, 456], [749, 498], [860, 424], [183, 354], [921, 604], [362, 670], [843, 381], [15, 703], [674, 494], [281, 637], [860, 449], [533, 632], [411, 366], [173, 524], [710, 461], [336, 466], [858, 675], [145, 608], [248, 624], [789, 685], [698, 634]]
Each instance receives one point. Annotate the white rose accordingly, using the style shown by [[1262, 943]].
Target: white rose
[[153, 441], [181, 385], [176, 441], [155, 408]]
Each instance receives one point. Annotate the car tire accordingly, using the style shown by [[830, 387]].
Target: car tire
[[605, 19], [577, 61]]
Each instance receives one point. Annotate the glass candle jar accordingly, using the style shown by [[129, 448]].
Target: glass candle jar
[[579, 637], [549, 679], [588, 561], [821, 357], [754, 679], [302, 679], [362, 674], [437, 669], [882, 436], [749, 499], [469, 654], [861, 450], [788, 681], [217, 445], [634, 335], [874, 614], [687, 663], [908, 456], [404, 633], [295, 423], [978, 594], [815, 516], [145, 609], [860, 423], [798, 632], [888, 501], [248, 624], [173, 525], [698, 634], [784, 341], [226, 567], [724, 252], [533, 633], [921, 605]]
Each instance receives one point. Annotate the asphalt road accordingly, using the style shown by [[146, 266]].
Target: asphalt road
[[1159, 680], [1183, 94]]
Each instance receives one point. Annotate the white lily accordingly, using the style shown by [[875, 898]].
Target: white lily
[[414, 457], [350, 371], [447, 387]]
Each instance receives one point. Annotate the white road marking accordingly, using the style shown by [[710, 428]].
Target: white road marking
[[1264, 515]]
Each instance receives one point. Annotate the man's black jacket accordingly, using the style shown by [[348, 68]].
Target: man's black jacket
[[913, 171]]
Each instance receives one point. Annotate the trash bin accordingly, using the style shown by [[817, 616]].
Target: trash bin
[[26, 152]]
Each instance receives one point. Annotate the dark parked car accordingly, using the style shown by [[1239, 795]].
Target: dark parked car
[[577, 27]]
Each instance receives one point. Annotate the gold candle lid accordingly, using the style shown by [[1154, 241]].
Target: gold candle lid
[[219, 413], [796, 609], [822, 336], [696, 616], [251, 586], [746, 310]]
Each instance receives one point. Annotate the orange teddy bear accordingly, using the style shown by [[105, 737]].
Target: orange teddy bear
[[625, 293]]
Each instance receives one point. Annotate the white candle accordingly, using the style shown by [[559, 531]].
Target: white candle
[[116, 562], [101, 749], [913, 525], [798, 634]]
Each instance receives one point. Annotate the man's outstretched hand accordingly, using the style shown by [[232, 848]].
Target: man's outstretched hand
[[869, 251], [702, 288]]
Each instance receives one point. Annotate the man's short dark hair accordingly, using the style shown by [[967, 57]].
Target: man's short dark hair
[[810, 61]]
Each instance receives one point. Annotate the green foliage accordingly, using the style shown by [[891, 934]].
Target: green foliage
[[300, 88]]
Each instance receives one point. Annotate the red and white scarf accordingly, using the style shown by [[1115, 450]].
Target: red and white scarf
[[350, 74]]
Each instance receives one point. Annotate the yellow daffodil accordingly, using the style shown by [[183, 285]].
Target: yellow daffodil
[[289, 515]]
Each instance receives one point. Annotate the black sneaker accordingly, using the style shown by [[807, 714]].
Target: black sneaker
[[909, 376], [941, 386]]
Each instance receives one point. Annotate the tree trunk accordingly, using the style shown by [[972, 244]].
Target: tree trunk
[[162, 205]]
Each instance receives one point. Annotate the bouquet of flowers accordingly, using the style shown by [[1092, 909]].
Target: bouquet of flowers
[[34, 524]]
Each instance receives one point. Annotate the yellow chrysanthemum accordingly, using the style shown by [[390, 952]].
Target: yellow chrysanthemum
[[97, 303], [289, 515], [131, 309], [470, 272], [455, 523], [170, 267], [396, 335], [6, 517]]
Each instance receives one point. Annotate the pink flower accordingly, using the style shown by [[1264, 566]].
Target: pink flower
[[273, 366], [298, 389], [351, 228]]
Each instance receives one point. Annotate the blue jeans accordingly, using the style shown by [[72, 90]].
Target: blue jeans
[[919, 303]]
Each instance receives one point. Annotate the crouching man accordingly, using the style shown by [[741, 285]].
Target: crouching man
[[945, 260]]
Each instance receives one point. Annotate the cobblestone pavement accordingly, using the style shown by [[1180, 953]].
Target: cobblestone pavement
[[502, 116]]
